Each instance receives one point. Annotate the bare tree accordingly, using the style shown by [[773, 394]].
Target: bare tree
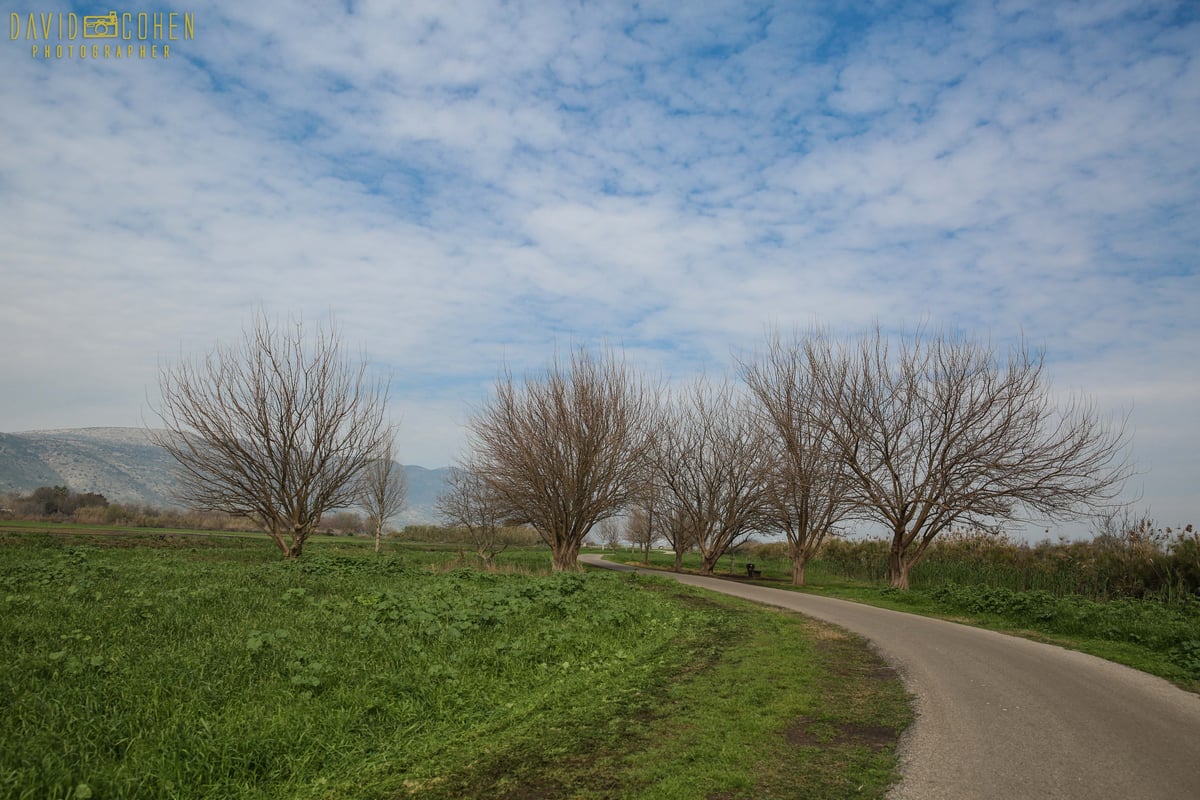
[[276, 428], [807, 486], [563, 450], [468, 503], [711, 464], [382, 488], [609, 531], [643, 527], [678, 531], [941, 430]]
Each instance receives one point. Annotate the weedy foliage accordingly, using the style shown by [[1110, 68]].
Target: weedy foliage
[[188, 673], [1139, 561]]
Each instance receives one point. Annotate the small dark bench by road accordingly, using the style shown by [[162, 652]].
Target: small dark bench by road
[[751, 572]]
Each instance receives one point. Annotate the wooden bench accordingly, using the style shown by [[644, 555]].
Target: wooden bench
[[751, 572]]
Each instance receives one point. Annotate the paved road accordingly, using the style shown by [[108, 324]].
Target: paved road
[[1003, 717]]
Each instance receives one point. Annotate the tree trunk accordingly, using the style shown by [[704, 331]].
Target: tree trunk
[[898, 567], [290, 549], [707, 565], [649, 535], [799, 563], [678, 561], [566, 557], [378, 535]]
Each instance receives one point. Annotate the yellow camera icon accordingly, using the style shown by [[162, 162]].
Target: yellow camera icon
[[102, 27]]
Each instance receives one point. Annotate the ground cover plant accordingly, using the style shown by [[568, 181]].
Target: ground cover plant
[[188, 666]]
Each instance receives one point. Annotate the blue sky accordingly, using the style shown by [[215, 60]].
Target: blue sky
[[466, 184]]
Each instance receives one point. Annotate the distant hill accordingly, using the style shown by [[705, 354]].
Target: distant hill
[[125, 466]]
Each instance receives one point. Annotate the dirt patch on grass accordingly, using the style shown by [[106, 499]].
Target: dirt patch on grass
[[807, 732], [834, 649], [593, 768], [697, 601]]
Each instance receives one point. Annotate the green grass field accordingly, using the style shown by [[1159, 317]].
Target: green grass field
[[173, 665]]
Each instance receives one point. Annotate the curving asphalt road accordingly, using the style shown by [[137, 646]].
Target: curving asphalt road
[[1004, 717]]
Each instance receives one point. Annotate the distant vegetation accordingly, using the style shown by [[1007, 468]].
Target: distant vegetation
[[513, 536], [52, 501], [1135, 560], [1129, 558], [62, 504]]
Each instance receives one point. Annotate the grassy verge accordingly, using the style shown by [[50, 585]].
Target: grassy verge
[[1157, 638], [211, 669], [767, 705]]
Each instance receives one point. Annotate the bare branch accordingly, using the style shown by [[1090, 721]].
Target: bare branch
[[382, 487], [468, 503], [563, 449], [710, 462], [274, 427], [807, 487], [940, 430]]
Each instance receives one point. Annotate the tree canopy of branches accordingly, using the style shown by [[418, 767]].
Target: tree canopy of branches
[[563, 449], [807, 487], [938, 430], [382, 488], [276, 428], [467, 503], [710, 462]]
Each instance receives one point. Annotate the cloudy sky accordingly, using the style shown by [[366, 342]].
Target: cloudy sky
[[465, 184]]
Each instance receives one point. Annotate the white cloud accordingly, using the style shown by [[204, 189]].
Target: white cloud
[[464, 184]]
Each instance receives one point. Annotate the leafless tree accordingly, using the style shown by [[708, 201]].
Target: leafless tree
[[276, 428], [467, 503], [710, 462], [807, 486], [382, 488], [563, 449], [938, 430], [678, 531], [643, 526], [609, 533]]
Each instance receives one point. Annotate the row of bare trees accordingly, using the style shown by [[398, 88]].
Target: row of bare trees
[[916, 433]]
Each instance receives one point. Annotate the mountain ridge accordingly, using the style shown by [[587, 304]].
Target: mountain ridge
[[125, 466]]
